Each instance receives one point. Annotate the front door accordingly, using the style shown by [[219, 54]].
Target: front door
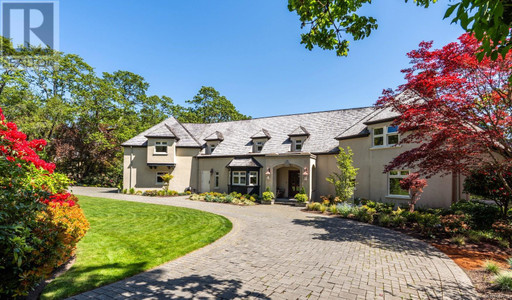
[[293, 183], [205, 181]]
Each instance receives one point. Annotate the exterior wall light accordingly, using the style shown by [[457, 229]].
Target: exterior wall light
[[268, 173], [305, 174]]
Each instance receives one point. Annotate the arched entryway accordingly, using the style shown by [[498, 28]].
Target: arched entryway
[[288, 181]]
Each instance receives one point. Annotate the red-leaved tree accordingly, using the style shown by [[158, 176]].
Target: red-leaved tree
[[415, 185], [457, 113]]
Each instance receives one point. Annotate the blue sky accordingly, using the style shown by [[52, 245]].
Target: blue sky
[[248, 50]]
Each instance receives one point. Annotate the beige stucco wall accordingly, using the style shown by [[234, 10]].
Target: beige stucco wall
[[152, 157], [372, 183], [141, 177], [218, 164]]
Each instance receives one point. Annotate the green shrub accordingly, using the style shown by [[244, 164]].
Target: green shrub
[[302, 198], [138, 193], [429, 223], [344, 209], [323, 208], [209, 198], [229, 198], [504, 281], [315, 206], [480, 216], [492, 267], [267, 195], [398, 221], [385, 220], [386, 208], [125, 191], [509, 261], [333, 209], [371, 204], [236, 195], [411, 217], [132, 191], [366, 214]]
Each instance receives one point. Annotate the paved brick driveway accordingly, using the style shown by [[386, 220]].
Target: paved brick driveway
[[279, 252]]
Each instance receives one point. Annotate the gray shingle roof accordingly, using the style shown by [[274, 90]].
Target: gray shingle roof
[[323, 128], [184, 138], [161, 131]]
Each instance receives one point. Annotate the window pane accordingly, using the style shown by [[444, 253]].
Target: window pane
[[395, 189], [259, 148], [378, 131], [378, 141], [404, 173], [236, 180], [254, 180], [242, 180], [393, 172], [392, 129], [298, 147], [161, 149], [393, 139]]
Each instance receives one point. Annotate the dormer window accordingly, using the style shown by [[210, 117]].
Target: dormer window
[[212, 147], [258, 146], [298, 145], [385, 136], [160, 147]]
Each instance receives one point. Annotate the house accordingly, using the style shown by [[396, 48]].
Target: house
[[284, 153]]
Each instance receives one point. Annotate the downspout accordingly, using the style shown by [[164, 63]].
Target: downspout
[[131, 163]]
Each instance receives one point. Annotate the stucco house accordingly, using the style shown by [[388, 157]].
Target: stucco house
[[284, 153]]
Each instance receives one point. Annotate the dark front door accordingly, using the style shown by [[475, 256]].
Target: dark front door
[[293, 183]]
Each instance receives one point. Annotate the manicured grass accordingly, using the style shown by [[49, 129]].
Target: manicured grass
[[127, 238]]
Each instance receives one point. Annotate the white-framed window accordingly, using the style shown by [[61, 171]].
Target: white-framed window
[[160, 147], [159, 179], [385, 136], [238, 178], [258, 146], [253, 178], [394, 178], [212, 147], [298, 145], [216, 179]]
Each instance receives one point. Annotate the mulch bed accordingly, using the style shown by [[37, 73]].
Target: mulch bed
[[470, 257]]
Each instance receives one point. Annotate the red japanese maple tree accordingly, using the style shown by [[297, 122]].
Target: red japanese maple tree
[[456, 109]]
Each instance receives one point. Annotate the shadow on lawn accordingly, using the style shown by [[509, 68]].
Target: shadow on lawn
[[150, 285], [343, 230]]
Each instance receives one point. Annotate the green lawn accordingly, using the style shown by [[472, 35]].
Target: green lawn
[[127, 238]]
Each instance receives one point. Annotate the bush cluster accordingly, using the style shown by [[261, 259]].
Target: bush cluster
[[475, 221], [40, 223], [154, 193], [233, 198], [267, 195]]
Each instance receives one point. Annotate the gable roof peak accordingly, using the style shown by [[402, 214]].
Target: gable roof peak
[[299, 131], [263, 133], [164, 131], [216, 136]]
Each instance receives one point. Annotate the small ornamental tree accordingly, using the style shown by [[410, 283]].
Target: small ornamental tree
[[40, 223], [167, 179], [486, 183], [415, 186], [456, 111], [345, 181]]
